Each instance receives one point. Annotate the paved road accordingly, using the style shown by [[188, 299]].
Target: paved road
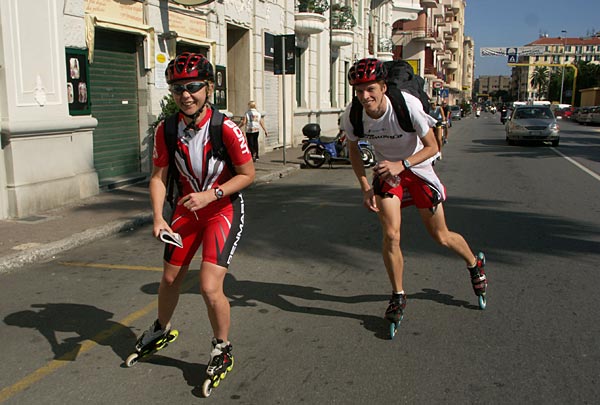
[[308, 289]]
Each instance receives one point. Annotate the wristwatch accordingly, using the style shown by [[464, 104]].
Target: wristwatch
[[406, 164], [219, 193]]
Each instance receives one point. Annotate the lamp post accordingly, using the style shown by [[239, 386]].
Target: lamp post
[[564, 61]]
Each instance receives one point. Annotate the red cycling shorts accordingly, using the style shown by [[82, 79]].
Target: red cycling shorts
[[218, 228], [412, 190]]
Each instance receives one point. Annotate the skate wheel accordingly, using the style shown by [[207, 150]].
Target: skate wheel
[[173, 334], [393, 329], [132, 359], [207, 388], [482, 302]]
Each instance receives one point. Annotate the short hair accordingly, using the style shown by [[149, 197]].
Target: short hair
[[252, 104]]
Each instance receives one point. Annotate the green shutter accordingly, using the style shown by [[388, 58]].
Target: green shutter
[[113, 94]]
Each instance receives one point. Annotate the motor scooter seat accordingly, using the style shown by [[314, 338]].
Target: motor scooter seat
[[328, 138]]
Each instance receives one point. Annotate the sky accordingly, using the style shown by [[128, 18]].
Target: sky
[[514, 23]]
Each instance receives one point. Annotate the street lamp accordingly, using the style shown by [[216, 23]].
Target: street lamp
[[562, 80]]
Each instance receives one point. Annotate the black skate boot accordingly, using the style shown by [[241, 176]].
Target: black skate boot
[[479, 279], [152, 340], [221, 362], [395, 312]]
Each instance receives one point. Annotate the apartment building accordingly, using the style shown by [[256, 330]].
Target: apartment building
[[557, 50], [82, 81]]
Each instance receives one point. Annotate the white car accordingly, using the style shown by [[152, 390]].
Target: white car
[[532, 123]]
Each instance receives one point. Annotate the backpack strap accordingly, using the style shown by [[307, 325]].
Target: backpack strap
[[400, 108], [215, 131], [356, 117], [170, 127]]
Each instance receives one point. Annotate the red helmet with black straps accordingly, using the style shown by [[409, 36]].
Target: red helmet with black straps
[[189, 66], [366, 71]]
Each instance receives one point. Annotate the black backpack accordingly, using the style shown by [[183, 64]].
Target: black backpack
[[218, 149], [400, 76]]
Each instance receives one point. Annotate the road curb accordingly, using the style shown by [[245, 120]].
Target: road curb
[[48, 250]]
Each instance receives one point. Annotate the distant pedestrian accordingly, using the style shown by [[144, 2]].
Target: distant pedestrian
[[251, 124]]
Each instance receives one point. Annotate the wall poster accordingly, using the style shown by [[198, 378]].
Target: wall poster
[[78, 82]]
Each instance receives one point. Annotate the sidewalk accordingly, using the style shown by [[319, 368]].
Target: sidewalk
[[39, 237]]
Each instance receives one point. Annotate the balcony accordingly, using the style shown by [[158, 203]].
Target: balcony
[[457, 5], [453, 65], [455, 26], [430, 72], [452, 45], [405, 10], [428, 3], [341, 37], [309, 23], [437, 46]]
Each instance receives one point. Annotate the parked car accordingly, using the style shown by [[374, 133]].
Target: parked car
[[455, 112], [579, 113], [585, 115], [595, 115], [532, 123]]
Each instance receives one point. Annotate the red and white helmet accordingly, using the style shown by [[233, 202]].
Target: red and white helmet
[[189, 66], [366, 71]]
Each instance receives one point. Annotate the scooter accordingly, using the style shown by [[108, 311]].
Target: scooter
[[319, 149], [504, 115], [477, 113]]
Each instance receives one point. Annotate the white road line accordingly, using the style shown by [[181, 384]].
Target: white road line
[[580, 166]]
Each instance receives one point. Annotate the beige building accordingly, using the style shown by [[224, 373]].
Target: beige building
[[435, 41], [82, 81], [492, 84], [557, 50]]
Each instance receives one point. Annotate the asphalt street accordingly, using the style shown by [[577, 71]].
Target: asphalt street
[[308, 290]]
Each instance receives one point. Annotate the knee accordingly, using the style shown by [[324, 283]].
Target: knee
[[391, 238], [442, 238]]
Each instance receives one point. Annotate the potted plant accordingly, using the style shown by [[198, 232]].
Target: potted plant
[[313, 6], [342, 17]]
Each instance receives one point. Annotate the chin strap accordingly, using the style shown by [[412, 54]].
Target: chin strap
[[193, 116]]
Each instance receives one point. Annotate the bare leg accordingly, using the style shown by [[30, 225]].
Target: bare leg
[[168, 291], [217, 304], [437, 228], [390, 218]]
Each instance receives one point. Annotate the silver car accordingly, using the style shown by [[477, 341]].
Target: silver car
[[532, 123]]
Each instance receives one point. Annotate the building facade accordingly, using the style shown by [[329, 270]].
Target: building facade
[[82, 81], [556, 51]]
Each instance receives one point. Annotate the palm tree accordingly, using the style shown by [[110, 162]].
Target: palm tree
[[540, 79]]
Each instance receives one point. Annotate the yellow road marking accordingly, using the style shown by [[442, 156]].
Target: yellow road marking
[[111, 266], [56, 364]]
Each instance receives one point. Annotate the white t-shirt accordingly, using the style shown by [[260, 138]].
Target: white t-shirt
[[392, 143], [386, 136], [252, 120]]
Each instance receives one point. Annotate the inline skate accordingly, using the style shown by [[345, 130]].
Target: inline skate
[[395, 312], [221, 363], [152, 340], [479, 280]]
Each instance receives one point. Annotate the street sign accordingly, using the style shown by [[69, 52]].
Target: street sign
[[521, 50], [437, 85], [284, 54], [444, 93], [512, 58]]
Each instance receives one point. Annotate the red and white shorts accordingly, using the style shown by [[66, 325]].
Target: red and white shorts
[[412, 190], [216, 227]]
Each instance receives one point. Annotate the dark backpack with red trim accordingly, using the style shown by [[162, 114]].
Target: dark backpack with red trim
[[400, 76]]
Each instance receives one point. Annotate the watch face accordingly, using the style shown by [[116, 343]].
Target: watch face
[[219, 193]]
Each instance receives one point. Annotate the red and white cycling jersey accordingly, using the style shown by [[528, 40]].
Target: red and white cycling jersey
[[198, 169], [218, 226]]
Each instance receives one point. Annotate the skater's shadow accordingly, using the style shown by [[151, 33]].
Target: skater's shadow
[[250, 293], [431, 294], [190, 371], [56, 321]]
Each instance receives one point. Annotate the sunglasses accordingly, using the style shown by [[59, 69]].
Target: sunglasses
[[191, 88]]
